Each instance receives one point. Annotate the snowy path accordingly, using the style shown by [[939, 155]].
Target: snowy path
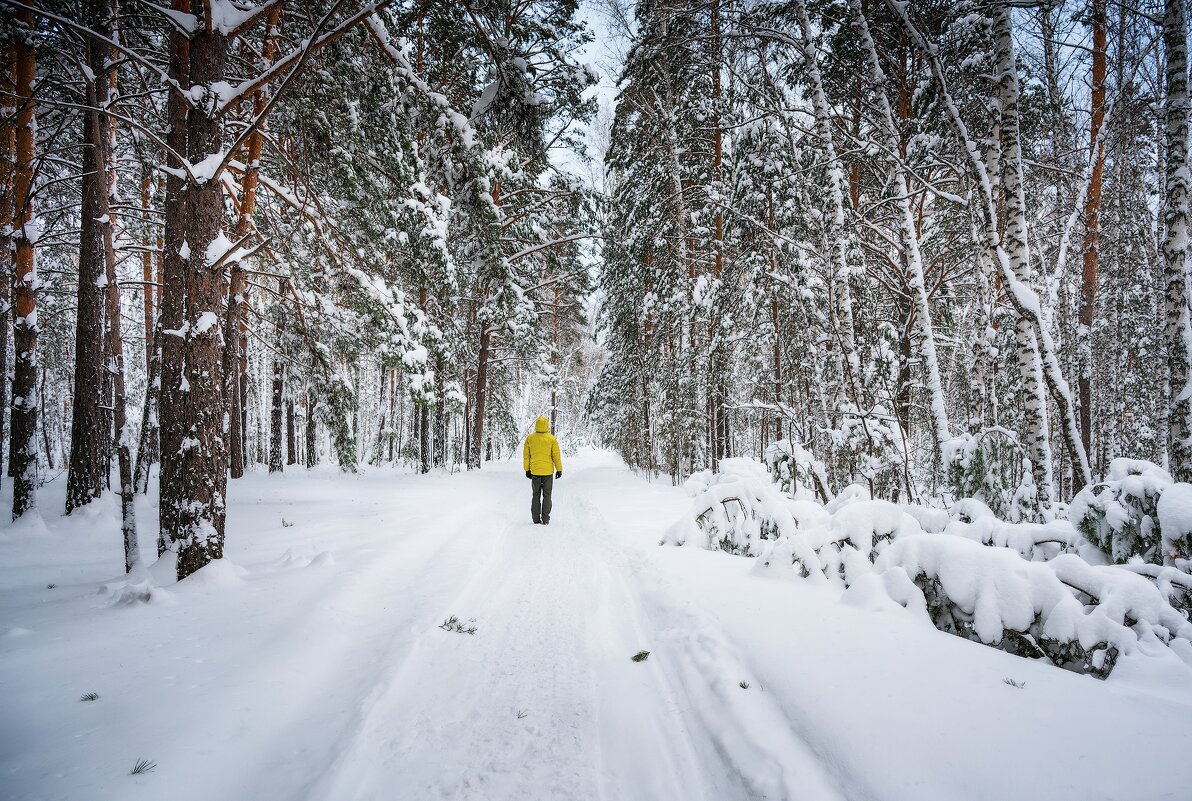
[[321, 672]]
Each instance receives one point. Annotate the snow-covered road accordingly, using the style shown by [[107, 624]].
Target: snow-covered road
[[317, 668]]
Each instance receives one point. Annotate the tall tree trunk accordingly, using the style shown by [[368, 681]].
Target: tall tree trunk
[[311, 449], [291, 440], [147, 275], [101, 147], [440, 417], [480, 397], [277, 398], [25, 330], [1092, 234], [194, 451], [1036, 353], [908, 234], [8, 157], [234, 355], [1036, 430], [1175, 243], [842, 303], [147, 453], [88, 469]]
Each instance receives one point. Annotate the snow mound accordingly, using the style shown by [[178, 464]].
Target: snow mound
[[1036, 590], [216, 574]]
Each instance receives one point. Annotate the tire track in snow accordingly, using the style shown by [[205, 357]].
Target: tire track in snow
[[750, 733]]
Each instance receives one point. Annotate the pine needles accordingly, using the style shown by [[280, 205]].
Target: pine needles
[[142, 766], [454, 624]]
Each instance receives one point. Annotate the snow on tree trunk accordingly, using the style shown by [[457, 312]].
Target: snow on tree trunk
[[8, 158], [25, 329], [1175, 243], [842, 303], [907, 231], [1037, 360], [194, 451]]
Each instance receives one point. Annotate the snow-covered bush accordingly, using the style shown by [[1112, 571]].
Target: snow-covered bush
[[1078, 616], [1122, 516], [796, 472], [991, 467], [1037, 590], [735, 510]]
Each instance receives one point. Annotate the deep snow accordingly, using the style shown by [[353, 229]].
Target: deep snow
[[312, 665]]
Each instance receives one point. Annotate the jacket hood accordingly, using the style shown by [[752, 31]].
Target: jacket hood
[[542, 425]]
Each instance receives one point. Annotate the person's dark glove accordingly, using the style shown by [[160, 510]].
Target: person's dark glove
[[529, 474], [558, 474]]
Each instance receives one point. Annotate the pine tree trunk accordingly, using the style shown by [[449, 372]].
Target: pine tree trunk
[[291, 440], [25, 330], [311, 449], [277, 400], [1175, 243], [8, 157], [147, 447], [1092, 210], [194, 452], [147, 277], [88, 468], [235, 344], [480, 397], [440, 418], [101, 146]]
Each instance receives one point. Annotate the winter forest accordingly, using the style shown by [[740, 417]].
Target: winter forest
[[888, 299]]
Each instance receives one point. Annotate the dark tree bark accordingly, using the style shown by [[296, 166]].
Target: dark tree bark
[[480, 397], [440, 452], [291, 442], [311, 452], [277, 400], [1092, 232], [194, 452], [24, 381], [89, 427], [147, 447]]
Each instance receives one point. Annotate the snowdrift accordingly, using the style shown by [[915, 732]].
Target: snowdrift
[[1037, 590]]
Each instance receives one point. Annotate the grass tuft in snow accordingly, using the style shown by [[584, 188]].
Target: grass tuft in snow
[[51, 586], [1012, 683], [640, 656], [287, 523], [744, 685], [453, 624], [522, 714], [142, 766], [89, 697]]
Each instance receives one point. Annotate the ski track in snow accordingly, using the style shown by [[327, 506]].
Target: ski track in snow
[[323, 674]]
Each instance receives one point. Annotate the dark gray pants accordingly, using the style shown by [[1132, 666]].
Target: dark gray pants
[[540, 501]]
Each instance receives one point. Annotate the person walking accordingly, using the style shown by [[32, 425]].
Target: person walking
[[541, 457]]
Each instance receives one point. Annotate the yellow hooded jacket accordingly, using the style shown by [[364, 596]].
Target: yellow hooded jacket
[[540, 455]]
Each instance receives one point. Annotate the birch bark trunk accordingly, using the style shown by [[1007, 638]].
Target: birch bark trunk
[[1175, 242]]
